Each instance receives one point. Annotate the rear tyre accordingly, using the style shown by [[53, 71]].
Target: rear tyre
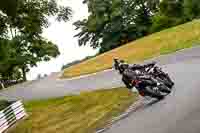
[[127, 82]]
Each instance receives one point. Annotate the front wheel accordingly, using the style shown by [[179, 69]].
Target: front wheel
[[154, 93], [164, 88], [160, 97], [167, 80]]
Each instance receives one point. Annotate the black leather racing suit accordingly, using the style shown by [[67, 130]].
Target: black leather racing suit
[[130, 73]]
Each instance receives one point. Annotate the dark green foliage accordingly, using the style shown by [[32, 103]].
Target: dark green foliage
[[70, 64], [170, 13], [112, 23], [191, 9], [76, 62], [171, 8], [21, 43], [115, 22], [9, 7]]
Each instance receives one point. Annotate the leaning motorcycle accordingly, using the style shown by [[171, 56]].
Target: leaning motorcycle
[[142, 78], [145, 84], [160, 75], [155, 71]]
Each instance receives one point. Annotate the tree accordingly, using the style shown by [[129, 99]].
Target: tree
[[191, 9], [6, 67], [114, 22], [23, 34], [170, 13], [9, 7], [76, 62]]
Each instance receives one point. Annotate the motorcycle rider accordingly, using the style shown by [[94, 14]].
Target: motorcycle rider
[[129, 75], [128, 71], [121, 65]]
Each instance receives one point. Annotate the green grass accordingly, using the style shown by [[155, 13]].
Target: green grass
[[164, 42], [75, 114]]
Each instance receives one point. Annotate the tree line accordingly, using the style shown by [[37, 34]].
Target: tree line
[[112, 23], [22, 45], [76, 62]]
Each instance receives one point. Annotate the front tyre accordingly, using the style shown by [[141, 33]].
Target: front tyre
[[168, 81], [154, 93], [160, 97], [164, 89]]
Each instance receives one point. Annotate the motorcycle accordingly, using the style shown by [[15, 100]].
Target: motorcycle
[[150, 68], [145, 84], [143, 78], [160, 75]]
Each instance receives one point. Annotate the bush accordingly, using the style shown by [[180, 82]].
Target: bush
[[161, 22]]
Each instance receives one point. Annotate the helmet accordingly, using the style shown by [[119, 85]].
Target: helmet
[[116, 63], [120, 65], [115, 60], [123, 67]]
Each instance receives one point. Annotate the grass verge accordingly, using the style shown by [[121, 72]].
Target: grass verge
[[82, 113], [167, 41]]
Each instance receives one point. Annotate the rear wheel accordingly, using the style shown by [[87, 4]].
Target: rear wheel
[[127, 82]]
